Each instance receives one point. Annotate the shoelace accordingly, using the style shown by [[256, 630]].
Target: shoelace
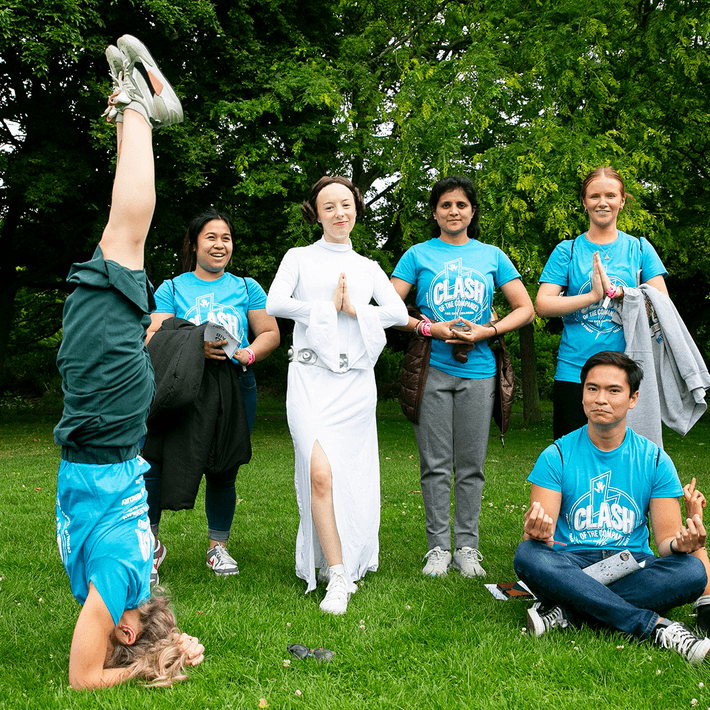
[[436, 554], [554, 617], [471, 554], [675, 636]]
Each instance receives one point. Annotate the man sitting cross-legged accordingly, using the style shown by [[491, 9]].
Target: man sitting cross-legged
[[592, 493]]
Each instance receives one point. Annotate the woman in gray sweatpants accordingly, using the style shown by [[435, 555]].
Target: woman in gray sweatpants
[[455, 277]]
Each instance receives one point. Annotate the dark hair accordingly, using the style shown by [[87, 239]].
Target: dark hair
[[634, 373], [309, 208], [605, 171], [455, 182], [189, 258]]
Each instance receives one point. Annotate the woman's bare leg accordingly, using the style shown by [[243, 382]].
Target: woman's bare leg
[[322, 506], [133, 197]]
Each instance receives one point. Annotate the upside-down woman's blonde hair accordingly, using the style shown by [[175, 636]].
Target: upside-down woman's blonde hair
[[155, 657]]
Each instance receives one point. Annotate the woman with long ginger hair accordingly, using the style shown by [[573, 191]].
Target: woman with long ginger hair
[[582, 280]]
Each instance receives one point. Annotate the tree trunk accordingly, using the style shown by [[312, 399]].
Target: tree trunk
[[531, 393]]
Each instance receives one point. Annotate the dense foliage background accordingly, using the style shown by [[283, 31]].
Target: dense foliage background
[[524, 96]]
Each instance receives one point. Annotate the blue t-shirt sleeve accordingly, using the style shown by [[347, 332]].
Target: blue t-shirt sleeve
[[557, 268], [547, 472], [111, 581], [666, 483], [164, 298], [651, 264], [257, 295], [406, 268]]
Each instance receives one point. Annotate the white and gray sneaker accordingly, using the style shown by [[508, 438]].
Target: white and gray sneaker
[[221, 562], [437, 562], [468, 561], [159, 553], [144, 88], [677, 636], [541, 618], [337, 594]]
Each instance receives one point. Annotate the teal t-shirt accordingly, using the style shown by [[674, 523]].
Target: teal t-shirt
[[605, 494], [455, 281]]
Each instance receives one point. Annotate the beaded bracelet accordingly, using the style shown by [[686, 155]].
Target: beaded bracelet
[[250, 356]]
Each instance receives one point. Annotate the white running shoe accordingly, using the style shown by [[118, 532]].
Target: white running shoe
[[221, 562], [467, 560], [337, 595], [144, 87], [438, 562]]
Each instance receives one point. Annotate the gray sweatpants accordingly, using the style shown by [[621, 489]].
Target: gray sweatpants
[[452, 435]]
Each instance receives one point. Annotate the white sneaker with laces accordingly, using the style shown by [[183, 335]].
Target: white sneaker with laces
[[337, 595], [467, 560], [677, 636], [541, 618], [221, 562], [438, 562], [144, 87]]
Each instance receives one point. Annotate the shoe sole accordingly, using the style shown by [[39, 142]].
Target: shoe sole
[[222, 574], [169, 112]]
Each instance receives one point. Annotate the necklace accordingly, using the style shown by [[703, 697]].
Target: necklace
[[602, 249]]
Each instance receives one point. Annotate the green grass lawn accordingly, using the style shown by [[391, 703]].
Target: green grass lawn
[[406, 641]]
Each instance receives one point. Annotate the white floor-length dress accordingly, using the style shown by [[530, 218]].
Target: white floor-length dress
[[333, 401]]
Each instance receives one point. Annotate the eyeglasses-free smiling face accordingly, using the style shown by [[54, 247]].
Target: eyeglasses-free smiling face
[[453, 214], [337, 212], [213, 249], [603, 200]]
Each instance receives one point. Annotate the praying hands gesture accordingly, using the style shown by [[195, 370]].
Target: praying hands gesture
[[341, 300]]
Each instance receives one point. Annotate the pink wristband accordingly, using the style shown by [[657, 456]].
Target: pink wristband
[[611, 291], [425, 329], [250, 356]]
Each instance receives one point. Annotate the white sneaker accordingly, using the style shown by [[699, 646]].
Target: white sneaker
[[144, 87], [677, 636], [438, 562], [221, 562], [158, 557], [542, 618], [467, 561], [338, 594]]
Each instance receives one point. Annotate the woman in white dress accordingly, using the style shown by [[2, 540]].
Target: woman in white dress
[[326, 288]]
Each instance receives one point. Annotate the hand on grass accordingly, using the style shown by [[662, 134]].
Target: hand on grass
[[194, 650]]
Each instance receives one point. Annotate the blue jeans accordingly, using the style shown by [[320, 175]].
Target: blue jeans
[[220, 495], [631, 604]]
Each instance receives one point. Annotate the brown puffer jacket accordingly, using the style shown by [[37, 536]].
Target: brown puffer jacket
[[414, 372]]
